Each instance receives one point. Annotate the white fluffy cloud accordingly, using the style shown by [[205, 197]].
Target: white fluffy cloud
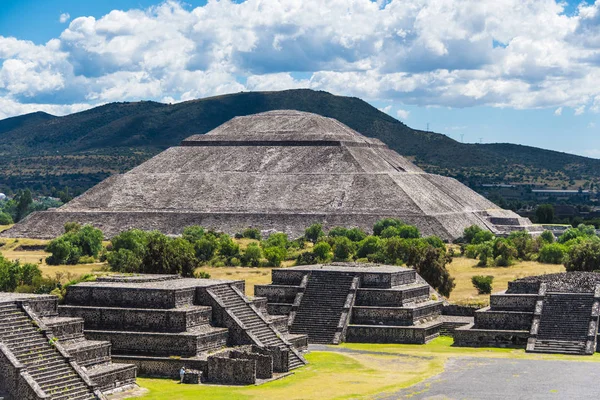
[[64, 17], [453, 53], [402, 114]]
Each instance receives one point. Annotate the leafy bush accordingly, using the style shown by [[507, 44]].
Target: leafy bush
[[76, 242], [206, 247], [251, 233], [368, 246], [482, 237], [275, 255], [13, 274], [431, 266], [470, 232], [252, 256], [380, 225], [193, 233], [483, 284], [547, 236], [201, 275], [584, 256], [5, 219], [504, 252], [552, 253], [343, 249], [228, 248], [277, 240], [322, 252], [314, 232], [435, 242], [306, 258]]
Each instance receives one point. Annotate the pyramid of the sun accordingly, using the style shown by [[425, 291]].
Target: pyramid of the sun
[[280, 170]]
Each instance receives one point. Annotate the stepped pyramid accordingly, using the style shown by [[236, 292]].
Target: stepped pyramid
[[281, 170]]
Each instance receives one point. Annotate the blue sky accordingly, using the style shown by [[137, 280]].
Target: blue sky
[[520, 71]]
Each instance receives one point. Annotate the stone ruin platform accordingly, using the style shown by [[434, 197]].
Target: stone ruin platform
[[160, 323], [555, 313], [354, 302], [45, 356]]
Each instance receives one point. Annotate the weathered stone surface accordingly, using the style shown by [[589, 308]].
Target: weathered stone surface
[[280, 170]]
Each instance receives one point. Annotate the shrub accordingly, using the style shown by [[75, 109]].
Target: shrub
[[523, 242], [306, 258], [275, 255], [63, 251], [228, 247], [343, 249], [72, 227], [322, 252], [369, 245], [206, 248], [124, 260], [314, 232], [86, 260], [384, 223], [482, 237], [337, 231], [548, 236], [584, 257], [5, 219], [277, 240], [201, 275], [484, 251], [552, 253], [569, 234], [251, 233], [504, 252], [470, 232], [13, 274], [431, 266], [483, 284], [435, 242], [252, 256], [193, 233], [356, 234]]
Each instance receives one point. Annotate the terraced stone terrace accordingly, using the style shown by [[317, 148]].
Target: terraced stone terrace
[[554, 313], [354, 302], [161, 323]]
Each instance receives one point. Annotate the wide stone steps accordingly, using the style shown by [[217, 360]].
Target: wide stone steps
[[322, 306], [564, 323], [253, 322], [51, 371]]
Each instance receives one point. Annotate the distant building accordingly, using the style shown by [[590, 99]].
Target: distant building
[[545, 193], [2, 196]]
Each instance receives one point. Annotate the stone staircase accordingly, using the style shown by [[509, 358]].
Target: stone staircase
[[322, 306], [44, 363], [255, 323], [564, 324]]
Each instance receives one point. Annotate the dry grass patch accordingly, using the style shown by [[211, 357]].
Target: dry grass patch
[[462, 269], [252, 276]]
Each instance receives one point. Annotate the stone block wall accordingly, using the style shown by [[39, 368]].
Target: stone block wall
[[504, 320], [162, 366], [277, 293], [389, 334], [264, 363], [511, 302], [390, 298], [15, 381], [287, 277], [231, 371], [176, 320], [130, 298]]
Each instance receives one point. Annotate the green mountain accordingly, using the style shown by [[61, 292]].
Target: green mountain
[[78, 150]]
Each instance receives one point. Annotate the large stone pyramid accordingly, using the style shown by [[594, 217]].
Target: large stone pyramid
[[280, 170]]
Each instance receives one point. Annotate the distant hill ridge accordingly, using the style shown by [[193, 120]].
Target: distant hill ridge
[[78, 150]]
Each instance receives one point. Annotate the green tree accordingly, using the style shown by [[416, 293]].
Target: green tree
[[584, 257], [24, 201], [193, 233], [544, 213], [547, 236], [504, 252], [367, 246], [252, 255], [274, 255], [552, 253], [343, 249], [482, 283], [125, 260], [252, 233], [5, 219], [431, 266], [470, 232], [63, 250], [228, 247], [322, 252], [384, 223], [314, 232]]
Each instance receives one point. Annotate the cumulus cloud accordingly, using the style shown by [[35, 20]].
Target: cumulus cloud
[[579, 110], [64, 17], [402, 114], [558, 111], [452, 53]]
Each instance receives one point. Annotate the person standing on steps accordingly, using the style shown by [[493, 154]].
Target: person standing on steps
[[181, 374]]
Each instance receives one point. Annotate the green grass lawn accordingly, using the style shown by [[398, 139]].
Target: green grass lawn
[[366, 370]]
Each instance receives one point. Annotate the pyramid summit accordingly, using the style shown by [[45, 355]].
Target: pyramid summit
[[281, 170]]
